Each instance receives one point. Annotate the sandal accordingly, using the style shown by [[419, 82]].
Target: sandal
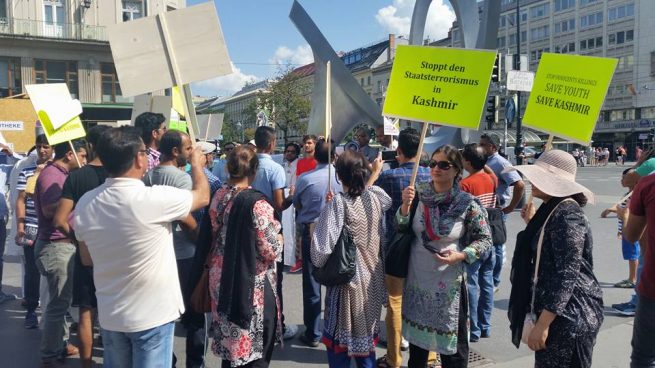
[[625, 284], [382, 362]]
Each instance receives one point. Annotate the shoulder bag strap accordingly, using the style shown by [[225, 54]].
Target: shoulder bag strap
[[536, 266]]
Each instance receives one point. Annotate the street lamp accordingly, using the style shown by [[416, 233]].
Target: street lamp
[[240, 127]]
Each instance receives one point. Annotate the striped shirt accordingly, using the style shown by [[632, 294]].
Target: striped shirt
[[623, 204], [30, 211]]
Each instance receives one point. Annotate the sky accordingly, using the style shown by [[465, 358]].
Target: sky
[[260, 37]]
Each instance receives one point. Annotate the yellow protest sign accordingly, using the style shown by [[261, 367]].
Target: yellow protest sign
[[57, 111], [435, 84], [567, 95]]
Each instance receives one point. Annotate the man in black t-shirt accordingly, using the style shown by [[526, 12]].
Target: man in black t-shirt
[[79, 182]]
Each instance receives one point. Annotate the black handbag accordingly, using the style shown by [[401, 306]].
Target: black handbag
[[497, 225], [340, 266], [396, 262]]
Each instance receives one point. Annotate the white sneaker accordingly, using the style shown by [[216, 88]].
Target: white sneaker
[[290, 331], [404, 344]]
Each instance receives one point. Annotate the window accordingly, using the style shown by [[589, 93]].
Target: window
[[652, 63], [132, 9], [587, 2], [379, 86], [591, 43], [524, 36], [583, 45], [524, 16], [501, 41], [110, 86], [564, 4], [49, 71], [565, 26], [620, 37], [621, 12], [512, 39], [629, 35], [611, 38], [599, 41], [591, 20], [368, 80], [539, 11], [10, 81], [648, 112], [539, 33], [3, 8], [503, 21]]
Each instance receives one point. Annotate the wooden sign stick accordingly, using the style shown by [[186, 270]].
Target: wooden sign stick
[[328, 120], [77, 159], [186, 101], [418, 154], [209, 123]]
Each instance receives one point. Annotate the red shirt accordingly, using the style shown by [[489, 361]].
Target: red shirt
[[304, 165], [642, 203], [481, 185]]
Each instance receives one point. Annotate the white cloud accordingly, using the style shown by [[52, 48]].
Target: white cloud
[[397, 18], [299, 56], [225, 85]]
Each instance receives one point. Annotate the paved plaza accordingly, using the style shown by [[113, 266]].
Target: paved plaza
[[20, 347]]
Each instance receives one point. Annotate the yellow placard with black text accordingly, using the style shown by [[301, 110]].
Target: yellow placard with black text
[[567, 95], [439, 84]]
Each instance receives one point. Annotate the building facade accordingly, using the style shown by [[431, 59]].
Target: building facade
[[65, 41], [620, 29]]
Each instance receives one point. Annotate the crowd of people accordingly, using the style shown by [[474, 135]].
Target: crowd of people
[[144, 227]]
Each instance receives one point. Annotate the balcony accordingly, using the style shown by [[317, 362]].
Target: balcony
[[63, 31]]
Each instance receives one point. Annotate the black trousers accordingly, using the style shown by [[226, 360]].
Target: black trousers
[[194, 323], [270, 325], [32, 279], [418, 357]]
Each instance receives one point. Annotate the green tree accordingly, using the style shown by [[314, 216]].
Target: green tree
[[230, 131], [287, 102]]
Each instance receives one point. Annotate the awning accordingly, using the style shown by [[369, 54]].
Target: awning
[[106, 111], [528, 136]]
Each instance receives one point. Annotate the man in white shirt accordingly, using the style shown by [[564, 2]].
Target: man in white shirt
[[125, 232]]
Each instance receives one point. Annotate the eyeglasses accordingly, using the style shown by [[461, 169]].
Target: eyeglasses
[[442, 165]]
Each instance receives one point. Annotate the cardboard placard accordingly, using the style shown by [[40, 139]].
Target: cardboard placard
[[441, 84], [391, 126], [568, 93], [520, 81], [145, 64], [210, 125], [51, 115], [148, 103]]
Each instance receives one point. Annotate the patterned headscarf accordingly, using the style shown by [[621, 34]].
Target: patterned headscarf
[[441, 210]]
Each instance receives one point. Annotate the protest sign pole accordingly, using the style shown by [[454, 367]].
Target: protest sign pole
[[186, 98], [424, 132], [77, 159], [328, 120], [549, 142]]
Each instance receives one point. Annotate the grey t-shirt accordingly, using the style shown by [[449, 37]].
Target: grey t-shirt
[[174, 177]]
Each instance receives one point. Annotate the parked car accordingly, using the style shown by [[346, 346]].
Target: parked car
[[528, 151]]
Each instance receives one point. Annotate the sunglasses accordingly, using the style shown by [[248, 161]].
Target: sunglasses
[[442, 165]]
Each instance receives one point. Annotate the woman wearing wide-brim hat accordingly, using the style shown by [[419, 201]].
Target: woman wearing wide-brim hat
[[567, 307]]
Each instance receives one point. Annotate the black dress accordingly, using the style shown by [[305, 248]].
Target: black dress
[[567, 287]]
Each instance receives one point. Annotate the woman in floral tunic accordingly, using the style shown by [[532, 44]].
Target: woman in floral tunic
[[352, 310], [242, 275], [451, 228]]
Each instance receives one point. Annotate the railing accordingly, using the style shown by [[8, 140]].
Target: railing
[[67, 31]]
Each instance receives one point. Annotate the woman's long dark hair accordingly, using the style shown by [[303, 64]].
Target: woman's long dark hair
[[353, 171]]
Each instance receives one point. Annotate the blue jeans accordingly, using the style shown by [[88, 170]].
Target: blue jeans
[[500, 258], [481, 293], [55, 261], [311, 290], [342, 360], [151, 348], [635, 297]]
